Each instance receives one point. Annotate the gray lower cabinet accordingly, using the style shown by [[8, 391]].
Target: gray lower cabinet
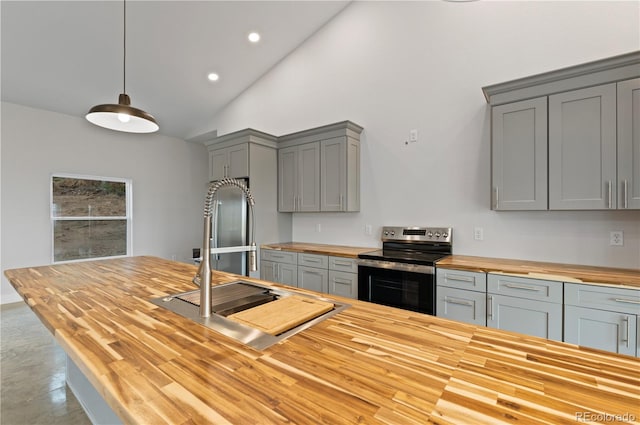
[[279, 266], [602, 317], [461, 295], [528, 306], [313, 273], [519, 155], [319, 273], [313, 279]]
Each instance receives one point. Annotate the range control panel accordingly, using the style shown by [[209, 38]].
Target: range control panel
[[417, 234]]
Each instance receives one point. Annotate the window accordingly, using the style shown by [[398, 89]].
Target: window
[[90, 217]]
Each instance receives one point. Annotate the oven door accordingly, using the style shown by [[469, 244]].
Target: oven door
[[405, 286]]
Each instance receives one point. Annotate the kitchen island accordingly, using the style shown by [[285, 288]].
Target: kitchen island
[[367, 364]]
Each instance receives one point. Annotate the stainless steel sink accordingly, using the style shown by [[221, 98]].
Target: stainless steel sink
[[234, 297]]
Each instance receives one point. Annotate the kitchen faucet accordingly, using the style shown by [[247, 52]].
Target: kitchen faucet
[[203, 276]]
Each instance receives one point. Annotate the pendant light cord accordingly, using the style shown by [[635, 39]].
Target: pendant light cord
[[124, 49]]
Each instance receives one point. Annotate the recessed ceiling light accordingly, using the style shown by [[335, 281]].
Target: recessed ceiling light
[[254, 37], [213, 77]]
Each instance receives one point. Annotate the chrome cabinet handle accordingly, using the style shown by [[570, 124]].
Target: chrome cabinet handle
[[490, 307], [625, 194], [342, 281], [626, 300], [459, 302], [525, 287], [460, 278], [626, 338], [609, 194], [342, 263], [495, 205], [341, 203]]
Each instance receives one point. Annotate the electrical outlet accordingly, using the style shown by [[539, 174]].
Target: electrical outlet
[[318, 228], [616, 238], [413, 135], [367, 229], [478, 233]]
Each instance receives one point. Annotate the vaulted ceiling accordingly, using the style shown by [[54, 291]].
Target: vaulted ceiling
[[67, 56]]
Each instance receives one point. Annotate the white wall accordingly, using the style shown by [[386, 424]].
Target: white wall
[[396, 66], [169, 184]]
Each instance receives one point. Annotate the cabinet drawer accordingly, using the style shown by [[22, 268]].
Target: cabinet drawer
[[313, 260], [460, 279], [287, 257], [602, 297], [343, 284], [522, 287], [461, 305], [342, 264]]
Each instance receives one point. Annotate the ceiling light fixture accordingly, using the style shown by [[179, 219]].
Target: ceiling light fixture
[[213, 77], [254, 37], [123, 116]]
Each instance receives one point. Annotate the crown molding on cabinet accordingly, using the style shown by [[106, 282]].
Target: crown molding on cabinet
[[342, 128], [615, 68], [243, 136]]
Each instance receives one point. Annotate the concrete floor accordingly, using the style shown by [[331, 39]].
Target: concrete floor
[[32, 373]]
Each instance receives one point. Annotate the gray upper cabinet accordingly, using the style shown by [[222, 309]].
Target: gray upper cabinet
[[340, 174], [232, 161], [568, 139], [582, 149], [519, 155], [629, 144], [319, 169], [299, 178]]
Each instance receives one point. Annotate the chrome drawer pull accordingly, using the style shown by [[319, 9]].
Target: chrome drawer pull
[[626, 339], [342, 281], [460, 278], [312, 260], [609, 195], [527, 288], [459, 302], [490, 307], [625, 194], [626, 300], [342, 263]]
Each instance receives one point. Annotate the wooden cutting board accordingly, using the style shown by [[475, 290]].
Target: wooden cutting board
[[281, 315]]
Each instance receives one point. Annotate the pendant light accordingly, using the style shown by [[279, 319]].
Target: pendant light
[[122, 116]]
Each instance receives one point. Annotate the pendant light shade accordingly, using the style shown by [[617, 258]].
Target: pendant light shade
[[122, 116]]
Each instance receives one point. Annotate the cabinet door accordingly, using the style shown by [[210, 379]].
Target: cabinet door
[[605, 330], [313, 279], [287, 179], [343, 284], [333, 174], [217, 164], [629, 144], [288, 274], [268, 270], [530, 317], [519, 155], [308, 178], [238, 161], [461, 305], [582, 149]]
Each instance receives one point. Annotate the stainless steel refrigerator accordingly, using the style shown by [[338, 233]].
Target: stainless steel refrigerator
[[230, 229]]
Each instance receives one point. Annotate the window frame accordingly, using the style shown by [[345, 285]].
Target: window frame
[[128, 217]]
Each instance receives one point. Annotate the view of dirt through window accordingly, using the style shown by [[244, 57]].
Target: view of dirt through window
[[78, 205]]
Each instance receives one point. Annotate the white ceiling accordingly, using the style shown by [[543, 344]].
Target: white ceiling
[[68, 56]]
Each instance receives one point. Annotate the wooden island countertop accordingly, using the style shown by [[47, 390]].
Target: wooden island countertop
[[368, 364]]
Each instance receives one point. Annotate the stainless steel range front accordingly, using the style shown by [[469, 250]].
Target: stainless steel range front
[[402, 273]]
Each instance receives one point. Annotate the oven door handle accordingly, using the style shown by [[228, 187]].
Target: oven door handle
[[391, 265]]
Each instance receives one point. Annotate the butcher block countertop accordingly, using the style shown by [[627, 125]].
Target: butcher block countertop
[[321, 249], [368, 364], [551, 271]]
